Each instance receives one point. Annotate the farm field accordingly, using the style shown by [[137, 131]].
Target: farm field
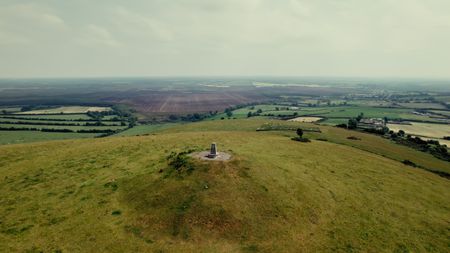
[[145, 129], [334, 112], [117, 194], [8, 109], [16, 137], [186, 102], [50, 117], [75, 128], [306, 119], [334, 122], [57, 121], [422, 105], [68, 110], [446, 113], [41, 127], [435, 131]]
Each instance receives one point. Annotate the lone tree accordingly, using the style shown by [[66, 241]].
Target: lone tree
[[360, 117], [352, 123], [300, 132]]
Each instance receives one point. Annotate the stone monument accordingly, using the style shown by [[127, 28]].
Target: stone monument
[[213, 152]]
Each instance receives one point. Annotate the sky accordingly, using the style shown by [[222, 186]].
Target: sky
[[360, 38]]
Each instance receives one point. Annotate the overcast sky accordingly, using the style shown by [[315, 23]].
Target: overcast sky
[[82, 38]]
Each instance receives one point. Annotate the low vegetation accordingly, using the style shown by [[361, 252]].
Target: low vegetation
[[132, 193]]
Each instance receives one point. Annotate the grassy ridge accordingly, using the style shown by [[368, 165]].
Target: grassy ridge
[[368, 142], [119, 194]]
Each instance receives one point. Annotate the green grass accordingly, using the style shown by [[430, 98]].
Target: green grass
[[27, 120], [418, 105], [333, 112], [334, 122], [63, 127], [145, 129], [9, 109], [14, 137], [276, 195], [369, 142]]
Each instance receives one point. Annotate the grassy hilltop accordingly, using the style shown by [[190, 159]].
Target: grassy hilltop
[[119, 194]]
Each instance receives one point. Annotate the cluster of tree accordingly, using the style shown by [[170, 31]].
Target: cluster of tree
[[192, 117], [253, 114], [95, 131], [56, 130], [229, 112], [123, 113], [99, 115], [35, 129], [19, 129], [431, 146]]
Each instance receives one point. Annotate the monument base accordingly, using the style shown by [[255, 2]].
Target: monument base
[[206, 155]]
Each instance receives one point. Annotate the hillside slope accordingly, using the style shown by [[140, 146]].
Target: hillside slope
[[275, 195]]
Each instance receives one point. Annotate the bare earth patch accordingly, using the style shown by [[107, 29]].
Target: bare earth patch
[[221, 156]]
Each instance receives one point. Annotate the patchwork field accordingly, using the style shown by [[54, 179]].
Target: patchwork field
[[121, 194], [435, 131], [23, 128], [68, 109], [81, 116]]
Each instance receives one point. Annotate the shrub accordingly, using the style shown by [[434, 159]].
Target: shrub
[[300, 139], [409, 163], [180, 162]]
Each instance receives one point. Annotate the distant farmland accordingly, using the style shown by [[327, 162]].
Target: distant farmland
[[184, 102], [68, 109]]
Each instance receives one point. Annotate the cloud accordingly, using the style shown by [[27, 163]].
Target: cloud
[[140, 26], [94, 35], [227, 37]]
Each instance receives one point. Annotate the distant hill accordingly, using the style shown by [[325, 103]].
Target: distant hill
[[120, 194]]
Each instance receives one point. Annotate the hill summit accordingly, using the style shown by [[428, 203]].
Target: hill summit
[[145, 193]]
